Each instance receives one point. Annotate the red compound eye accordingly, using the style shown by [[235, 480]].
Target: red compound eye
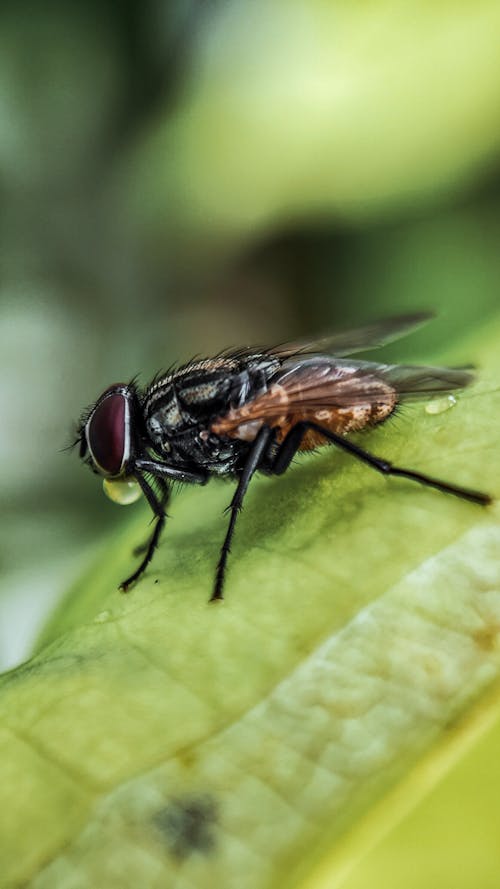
[[107, 434]]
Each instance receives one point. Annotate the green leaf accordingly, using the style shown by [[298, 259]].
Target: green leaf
[[156, 740], [305, 106]]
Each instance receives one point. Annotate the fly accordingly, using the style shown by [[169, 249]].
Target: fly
[[252, 410]]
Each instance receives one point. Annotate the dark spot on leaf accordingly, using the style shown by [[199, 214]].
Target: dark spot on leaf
[[187, 825], [487, 638], [187, 758]]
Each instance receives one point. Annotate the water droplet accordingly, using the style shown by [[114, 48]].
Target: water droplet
[[122, 490], [102, 617], [440, 405]]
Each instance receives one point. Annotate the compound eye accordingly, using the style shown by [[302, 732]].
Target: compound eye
[[107, 434]]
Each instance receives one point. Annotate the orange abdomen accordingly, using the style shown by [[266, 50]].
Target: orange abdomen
[[274, 409], [341, 421]]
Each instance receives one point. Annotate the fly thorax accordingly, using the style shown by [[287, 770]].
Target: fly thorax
[[164, 417], [204, 449]]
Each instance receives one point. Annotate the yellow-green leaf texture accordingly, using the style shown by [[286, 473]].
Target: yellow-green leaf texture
[[158, 741]]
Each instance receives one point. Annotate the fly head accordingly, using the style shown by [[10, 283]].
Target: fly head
[[106, 435]]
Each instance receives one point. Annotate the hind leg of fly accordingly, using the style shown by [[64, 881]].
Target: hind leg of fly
[[292, 442]]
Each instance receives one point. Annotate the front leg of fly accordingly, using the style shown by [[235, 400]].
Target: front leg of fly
[[158, 507], [164, 498], [161, 472]]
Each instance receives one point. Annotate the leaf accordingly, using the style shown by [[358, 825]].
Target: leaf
[[303, 107], [156, 740]]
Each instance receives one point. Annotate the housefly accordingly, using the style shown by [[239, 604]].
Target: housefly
[[250, 410]]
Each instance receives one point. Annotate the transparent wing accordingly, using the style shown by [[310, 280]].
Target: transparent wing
[[371, 336], [339, 382], [322, 382], [420, 382]]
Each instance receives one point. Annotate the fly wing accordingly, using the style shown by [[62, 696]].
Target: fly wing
[[324, 381], [420, 382], [319, 382], [371, 336]]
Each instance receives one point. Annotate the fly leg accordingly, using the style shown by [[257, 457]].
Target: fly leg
[[260, 445], [157, 504], [288, 448], [161, 472], [292, 442], [164, 499]]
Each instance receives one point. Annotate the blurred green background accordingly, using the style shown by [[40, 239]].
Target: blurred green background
[[178, 177]]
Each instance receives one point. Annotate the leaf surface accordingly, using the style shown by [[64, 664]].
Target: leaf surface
[[157, 741], [296, 107]]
